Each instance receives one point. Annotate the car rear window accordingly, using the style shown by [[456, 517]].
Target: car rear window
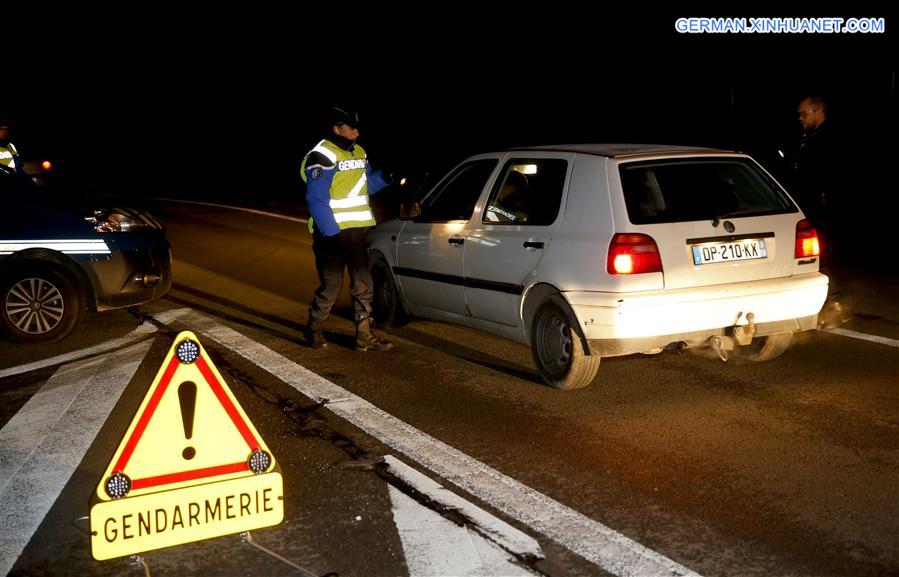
[[699, 189]]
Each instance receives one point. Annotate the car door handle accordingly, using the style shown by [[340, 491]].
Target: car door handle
[[456, 240], [533, 244]]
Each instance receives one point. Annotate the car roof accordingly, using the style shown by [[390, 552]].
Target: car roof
[[627, 150]]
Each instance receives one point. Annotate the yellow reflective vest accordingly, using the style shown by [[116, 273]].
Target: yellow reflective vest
[[8, 154], [349, 185]]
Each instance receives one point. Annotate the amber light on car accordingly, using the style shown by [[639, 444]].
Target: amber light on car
[[807, 243], [631, 253], [47, 165]]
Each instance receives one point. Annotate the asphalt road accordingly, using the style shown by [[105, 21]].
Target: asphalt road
[[783, 468]]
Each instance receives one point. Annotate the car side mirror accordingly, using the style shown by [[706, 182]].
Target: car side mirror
[[410, 210]]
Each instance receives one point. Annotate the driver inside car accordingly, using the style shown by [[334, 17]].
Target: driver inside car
[[508, 206]]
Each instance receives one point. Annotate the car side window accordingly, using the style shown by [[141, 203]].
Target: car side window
[[455, 198], [528, 192]]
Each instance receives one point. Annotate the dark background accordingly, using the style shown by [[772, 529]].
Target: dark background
[[224, 103]]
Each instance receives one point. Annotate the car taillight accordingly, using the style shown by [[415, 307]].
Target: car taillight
[[631, 253], [47, 166], [807, 243]]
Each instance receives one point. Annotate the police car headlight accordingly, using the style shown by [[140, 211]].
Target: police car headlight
[[114, 221]]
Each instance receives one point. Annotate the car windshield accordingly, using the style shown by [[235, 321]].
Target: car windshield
[[699, 189]]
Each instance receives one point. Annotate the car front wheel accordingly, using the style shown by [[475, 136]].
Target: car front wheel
[[558, 350], [39, 306], [386, 300]]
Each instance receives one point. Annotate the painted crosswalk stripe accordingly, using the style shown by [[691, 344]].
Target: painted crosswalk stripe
[[142, 331], [435, 546], [499, 531], [44, 442], [590, 539]]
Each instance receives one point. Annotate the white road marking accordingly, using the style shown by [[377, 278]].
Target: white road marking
[[140, 332], [498, 531], [864, 337], [239, 208], [590, 539], [44, 442], [435, 546]]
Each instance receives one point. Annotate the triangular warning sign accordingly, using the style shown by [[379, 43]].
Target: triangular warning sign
[[188, 430], [190, 445]]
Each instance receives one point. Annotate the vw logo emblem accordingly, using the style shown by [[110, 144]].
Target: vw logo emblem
[[729, 226]]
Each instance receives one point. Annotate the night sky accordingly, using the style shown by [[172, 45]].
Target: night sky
[[224, 104]]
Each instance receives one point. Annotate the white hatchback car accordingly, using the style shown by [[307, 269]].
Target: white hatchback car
[[588, 251]]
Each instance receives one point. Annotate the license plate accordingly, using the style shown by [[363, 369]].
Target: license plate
[[712, 252]]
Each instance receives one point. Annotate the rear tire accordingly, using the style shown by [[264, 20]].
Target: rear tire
[[38, 305], [386, 301], [766, 348], [558, 350]]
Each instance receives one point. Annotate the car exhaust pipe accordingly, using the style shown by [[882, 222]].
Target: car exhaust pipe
[[148, 279]]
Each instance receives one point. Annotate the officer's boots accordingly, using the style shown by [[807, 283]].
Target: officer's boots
[[315, 334], [367, 339]]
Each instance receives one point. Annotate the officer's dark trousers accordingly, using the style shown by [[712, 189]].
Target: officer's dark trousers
[[346, 249]]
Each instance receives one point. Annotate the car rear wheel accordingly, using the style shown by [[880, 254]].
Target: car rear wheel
[[386, 301], [38, 306], [766, 348], [558, 350]]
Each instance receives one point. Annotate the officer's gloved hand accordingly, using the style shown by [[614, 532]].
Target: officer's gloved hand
[[395, 178]]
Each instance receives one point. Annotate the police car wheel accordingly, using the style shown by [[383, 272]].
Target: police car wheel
[[38, 305], [388, 308], [557, 349]]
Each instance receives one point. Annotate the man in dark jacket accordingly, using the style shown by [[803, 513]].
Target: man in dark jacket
[[815, 165], [817, 182], [339, 181]]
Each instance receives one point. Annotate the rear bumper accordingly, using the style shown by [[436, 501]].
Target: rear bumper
[[625, 323]]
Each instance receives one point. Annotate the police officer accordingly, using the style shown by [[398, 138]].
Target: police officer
[[338, 181], [9, 156]]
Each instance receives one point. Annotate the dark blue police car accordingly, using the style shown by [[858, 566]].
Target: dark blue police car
[[58, 259]]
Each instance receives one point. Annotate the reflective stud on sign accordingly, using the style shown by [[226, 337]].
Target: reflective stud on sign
[[118, 486], [259, 461], [187, 352]]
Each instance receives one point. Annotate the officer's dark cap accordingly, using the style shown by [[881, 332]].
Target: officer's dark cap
[[344, 116]]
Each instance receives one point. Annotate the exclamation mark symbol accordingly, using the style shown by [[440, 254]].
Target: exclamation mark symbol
[[187, 395]]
